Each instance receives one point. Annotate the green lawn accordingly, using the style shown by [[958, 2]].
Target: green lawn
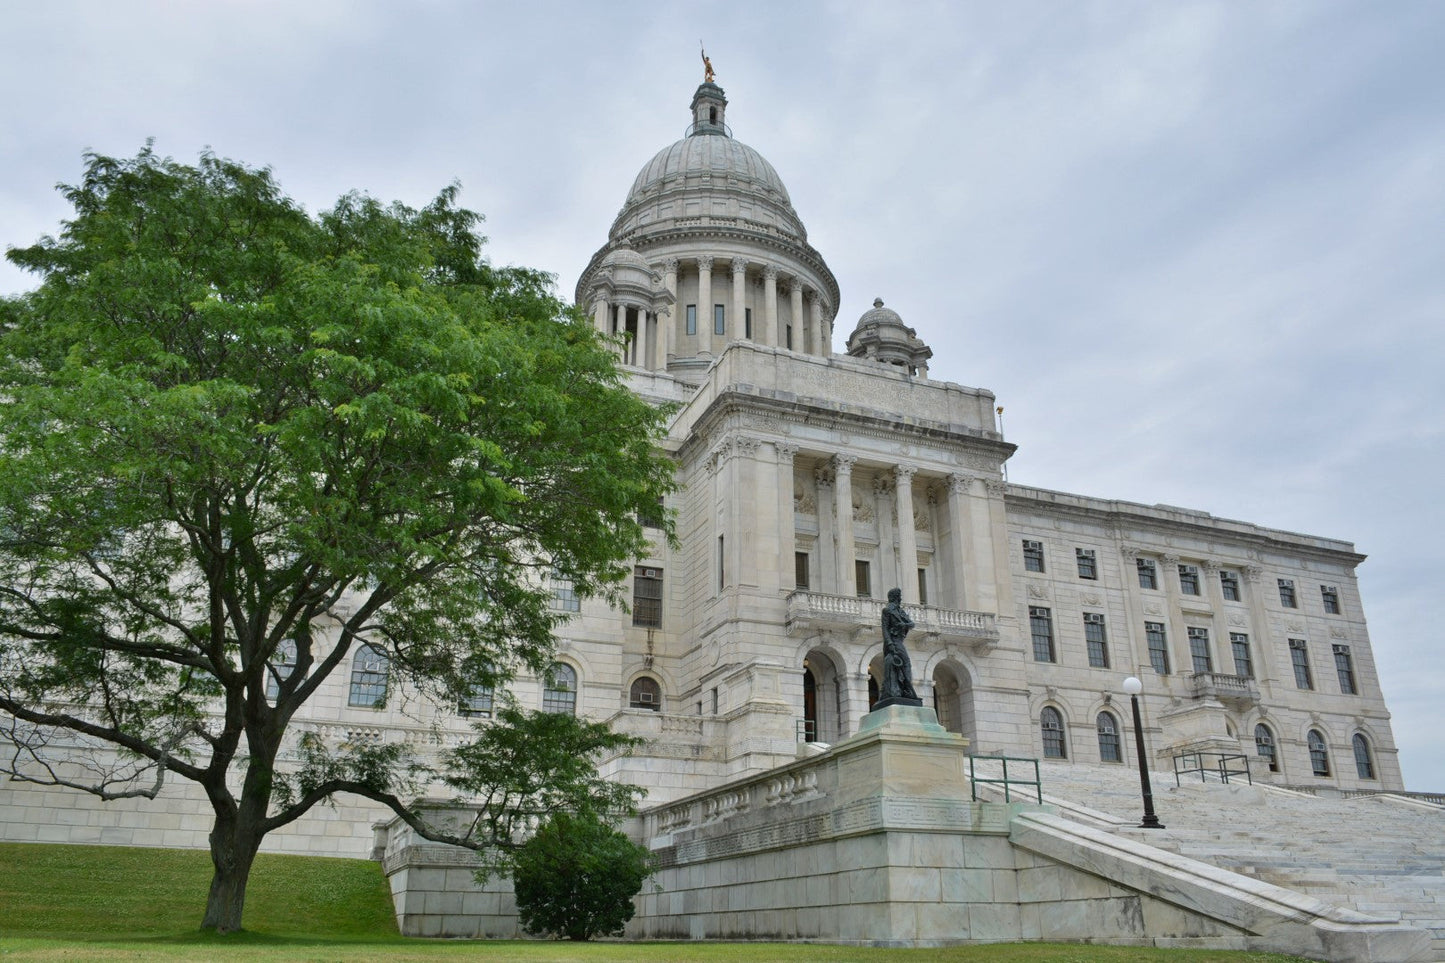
[[113, 903]]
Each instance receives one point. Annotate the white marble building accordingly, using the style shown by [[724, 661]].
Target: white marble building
[[812, 481]]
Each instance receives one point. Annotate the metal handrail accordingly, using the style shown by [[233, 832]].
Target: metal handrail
[[1221, 764], [1005, 781]]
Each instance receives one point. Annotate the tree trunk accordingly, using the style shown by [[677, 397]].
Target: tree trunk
[[233, 850]]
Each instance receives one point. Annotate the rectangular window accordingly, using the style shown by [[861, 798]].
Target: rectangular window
[[1229, 585], [692, 319], [477, 703], [861, 580], [1243, 664], [800, 570], [1088, 564], [1345, 669], [1199, 649], [722, 563], [1286, 594], [747, 322], [652, 518], [719, 323], [1033, 556], [1041, 624], [647, 597], [788, 340], [1299, 657], [564, 596], [1148, 574], [1158, 646], [1189, 579], [1096, 640], [923, 586], [1330, 596]]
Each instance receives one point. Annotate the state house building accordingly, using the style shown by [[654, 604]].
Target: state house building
[[813, 480]]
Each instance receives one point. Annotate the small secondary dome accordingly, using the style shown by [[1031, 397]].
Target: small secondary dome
[[882, 336]]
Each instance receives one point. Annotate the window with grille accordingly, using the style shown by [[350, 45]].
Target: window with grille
[[1033, 556], [1088, 563], [1108, 728], [1319, 754], [477, 703], [1286, 594], [1345, 669], [1229, 585], [1330, 597], [369, 670], [1158, 646], [1148, 573], [1041, 624], [1051, 725], [564, 595], [647, 597], [282, 664], [559, 692], [1364, 764], [1264, 747], [1189, 579], [1199, 649], [1096, 640], [1243, 664], [645, 694], [800, 570], [1299, 657]]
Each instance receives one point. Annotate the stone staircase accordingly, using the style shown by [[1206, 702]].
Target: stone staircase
[[1380, 855]]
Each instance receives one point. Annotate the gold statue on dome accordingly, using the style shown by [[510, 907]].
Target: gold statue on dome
[[707, 74]]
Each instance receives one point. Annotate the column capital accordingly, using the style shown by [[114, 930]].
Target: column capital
[[746, 445], [1130, 552], [883, 485], [740, 265], [1169, 559], [1252, 573], [843, 464], [995, 487], [704, 262], [669, 264], [823, 477], [959, 484], [770, 272], [1210, 567], [786, 450], [904, 473]]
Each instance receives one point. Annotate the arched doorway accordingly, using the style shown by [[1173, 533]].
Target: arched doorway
[[953, 699], [822, 698]]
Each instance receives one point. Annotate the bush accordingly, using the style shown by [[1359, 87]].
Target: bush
[[576, 878]]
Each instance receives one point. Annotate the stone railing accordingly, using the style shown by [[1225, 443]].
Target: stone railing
[[1236, 690], [794, 783], [809, 611]]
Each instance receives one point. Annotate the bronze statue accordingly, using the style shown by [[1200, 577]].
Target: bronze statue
[[707, 74], [897, 685]]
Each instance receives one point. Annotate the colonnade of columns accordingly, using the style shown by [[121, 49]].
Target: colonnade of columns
[[656, 333], [963, 515]]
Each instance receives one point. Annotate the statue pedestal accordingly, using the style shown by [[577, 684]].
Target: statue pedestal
[[895, 701]]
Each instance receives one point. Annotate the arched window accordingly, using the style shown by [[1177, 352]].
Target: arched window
[[1319, 755], [1052, 726], [368, 678], [1364, 764], [646, 694], [1108, 728], [282, 664], [1264, 747], [560, 692], [810, 706]]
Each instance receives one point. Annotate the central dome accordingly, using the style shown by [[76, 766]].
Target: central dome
[[701, 154]]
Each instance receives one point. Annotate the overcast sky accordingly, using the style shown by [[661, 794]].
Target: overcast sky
[[1196, 249]]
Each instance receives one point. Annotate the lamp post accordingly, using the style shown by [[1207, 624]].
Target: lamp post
[[1133, 686]]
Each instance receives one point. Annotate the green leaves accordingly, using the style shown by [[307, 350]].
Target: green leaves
[[576, 878]]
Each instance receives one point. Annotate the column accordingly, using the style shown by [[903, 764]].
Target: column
[[704, 304], [769, 333], [1223, 650], [740, 295], [886, 575], [827, 551], [600, 312], [668, 326], [959, 543], [1169, 582], [1260, 637], [644, 343], [795, 297], [843, 499], [990, 552], [787, 524], [817, 325], [743, 547], [1138, 647], [907, 538]]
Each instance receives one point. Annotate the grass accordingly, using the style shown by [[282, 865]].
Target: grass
[[111, 903]]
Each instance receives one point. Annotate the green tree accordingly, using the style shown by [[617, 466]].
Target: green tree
[[238, 442], [576, 877]]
